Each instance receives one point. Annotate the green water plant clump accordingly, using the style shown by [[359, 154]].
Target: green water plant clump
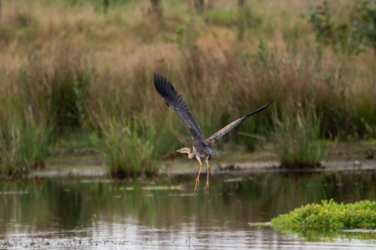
[[330, 214], [297, 139], [126, 148], [22, 146]]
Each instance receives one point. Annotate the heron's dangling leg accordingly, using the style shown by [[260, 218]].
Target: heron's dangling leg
[[207, 176], [198, 176]]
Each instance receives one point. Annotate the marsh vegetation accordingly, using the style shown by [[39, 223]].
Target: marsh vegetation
[[330, 214], [75, 69]]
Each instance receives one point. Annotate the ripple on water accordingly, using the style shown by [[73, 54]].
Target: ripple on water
[[164, 213]]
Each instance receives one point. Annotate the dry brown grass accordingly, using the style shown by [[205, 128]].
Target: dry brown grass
[[80, 65]]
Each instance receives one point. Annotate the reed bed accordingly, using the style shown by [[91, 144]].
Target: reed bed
[[297, 138], [77, 69]]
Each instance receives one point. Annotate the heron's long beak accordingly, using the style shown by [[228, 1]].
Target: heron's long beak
[[179, 151]]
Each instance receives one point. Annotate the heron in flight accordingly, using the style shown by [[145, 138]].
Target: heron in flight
[[202, 148]]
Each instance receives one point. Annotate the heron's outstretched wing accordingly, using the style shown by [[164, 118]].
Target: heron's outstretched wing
[[211, 140], [177, 103]]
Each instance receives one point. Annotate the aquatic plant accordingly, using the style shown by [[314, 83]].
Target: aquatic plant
[[127, 148], [297, 140], [330, 214], [23, 145]]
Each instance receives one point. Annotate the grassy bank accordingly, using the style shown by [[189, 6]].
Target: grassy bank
[[76, 68]]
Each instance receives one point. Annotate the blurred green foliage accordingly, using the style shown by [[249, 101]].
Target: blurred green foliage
[[366, 22], [349, 33]]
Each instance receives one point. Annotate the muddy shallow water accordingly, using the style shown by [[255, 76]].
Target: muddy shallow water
[[162, 213]]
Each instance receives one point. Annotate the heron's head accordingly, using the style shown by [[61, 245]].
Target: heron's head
[[184, 150]]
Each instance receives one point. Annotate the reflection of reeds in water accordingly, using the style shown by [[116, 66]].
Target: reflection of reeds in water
[[329, 234], [71, 203]]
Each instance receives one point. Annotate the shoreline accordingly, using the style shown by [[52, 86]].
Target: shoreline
[[236, 169], [87, 163]]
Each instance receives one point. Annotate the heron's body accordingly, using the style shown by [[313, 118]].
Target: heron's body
[[202, 148], [201, 154]]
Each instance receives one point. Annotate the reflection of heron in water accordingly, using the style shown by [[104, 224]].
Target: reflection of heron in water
[[202, 148]]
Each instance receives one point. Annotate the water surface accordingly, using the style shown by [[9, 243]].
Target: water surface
[[162, 213]]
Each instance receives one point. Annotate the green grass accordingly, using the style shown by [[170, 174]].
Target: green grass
[[222, 18], [131, 148], [126, 148], [330, 214], [22, 145], [297, 141]]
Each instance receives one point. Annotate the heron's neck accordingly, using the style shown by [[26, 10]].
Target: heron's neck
[[191, 154]]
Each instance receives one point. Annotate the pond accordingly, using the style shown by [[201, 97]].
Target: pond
[[163, 213]]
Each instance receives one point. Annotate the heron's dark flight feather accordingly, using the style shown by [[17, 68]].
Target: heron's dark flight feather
[[211, 140], [177, 103]]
